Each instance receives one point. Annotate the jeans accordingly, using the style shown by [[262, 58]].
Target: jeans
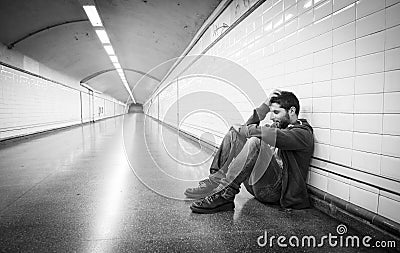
[[234, 164]]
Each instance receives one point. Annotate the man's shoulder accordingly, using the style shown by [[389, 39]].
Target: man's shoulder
[[302, 124]]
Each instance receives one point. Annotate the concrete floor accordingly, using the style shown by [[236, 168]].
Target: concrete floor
[[116, 186]]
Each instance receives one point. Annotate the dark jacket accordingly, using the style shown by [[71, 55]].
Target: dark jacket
[[296, 147]]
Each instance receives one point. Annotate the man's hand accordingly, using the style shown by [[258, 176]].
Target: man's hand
[[274, 93], [242, 130], [236, 127]]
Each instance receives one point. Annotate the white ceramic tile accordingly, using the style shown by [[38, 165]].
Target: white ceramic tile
[[338, 178], [370, 24], [323, 10], [363, 198], [391, 102], [321, 42], [322, 104], [344, 86], [321, 151], [391, 145], [392, 81], [305, 62], [322, 73], [344, 33], [319, 181], [389, 208], [367, 142], [289, 3], [305, 33], [343, 16], [368, 123], [339, 4], [368, 103], [366, 162], [277, 22], [291, 27], [390, 167], [321, 120], [370, 44], [290, 14], [342, 121], [322, 135], [391, 124], [391, 2], [343, 104], [267, 5], [344, 69], [344, 51], [306, 105], [305, 19], [322, 25], [304, 47], [338, 189], [343, 139], [371, 63], [392, 57], [304, 5], [372, 83], [392, 15], [321, 89], [392, 38], [323, 57], [340, 155], [366, 7], [302, 91], [364, 186]]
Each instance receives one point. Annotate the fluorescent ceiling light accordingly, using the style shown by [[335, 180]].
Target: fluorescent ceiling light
[[103, 36], [109, 49], [93, 15], [117, 65], [113, 58]]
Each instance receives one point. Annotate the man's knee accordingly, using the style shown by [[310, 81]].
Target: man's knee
[[254, 142]]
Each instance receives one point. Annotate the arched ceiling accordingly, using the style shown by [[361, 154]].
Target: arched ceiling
[[144, 34]]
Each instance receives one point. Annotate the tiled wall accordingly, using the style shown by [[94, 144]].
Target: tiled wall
[[30, 104], [342, 59]]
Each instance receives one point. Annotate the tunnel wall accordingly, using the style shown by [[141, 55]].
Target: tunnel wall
[[341, 58], [30, 104]]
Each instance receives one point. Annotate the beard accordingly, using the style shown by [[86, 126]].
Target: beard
[[283, 122]]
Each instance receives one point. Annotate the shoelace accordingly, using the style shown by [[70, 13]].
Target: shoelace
[[203, 183], [210, 198]]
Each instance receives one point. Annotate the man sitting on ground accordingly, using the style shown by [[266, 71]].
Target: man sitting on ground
[[271, 161]]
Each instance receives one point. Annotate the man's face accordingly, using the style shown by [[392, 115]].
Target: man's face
[[279, 116]]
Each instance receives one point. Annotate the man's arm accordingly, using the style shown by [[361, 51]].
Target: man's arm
[[286, 139], [258, 114]]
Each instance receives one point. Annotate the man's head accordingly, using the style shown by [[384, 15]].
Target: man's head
[[284, 109]]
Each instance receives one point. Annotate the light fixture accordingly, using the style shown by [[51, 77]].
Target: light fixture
[[101, 33], [113, 58], [117, 65], [92, 14], [94, 17], [109, 49]]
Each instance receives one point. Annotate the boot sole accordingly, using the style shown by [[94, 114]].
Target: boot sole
[[222, 208]]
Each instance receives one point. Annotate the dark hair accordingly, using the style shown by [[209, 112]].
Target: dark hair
[[286, 100]]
